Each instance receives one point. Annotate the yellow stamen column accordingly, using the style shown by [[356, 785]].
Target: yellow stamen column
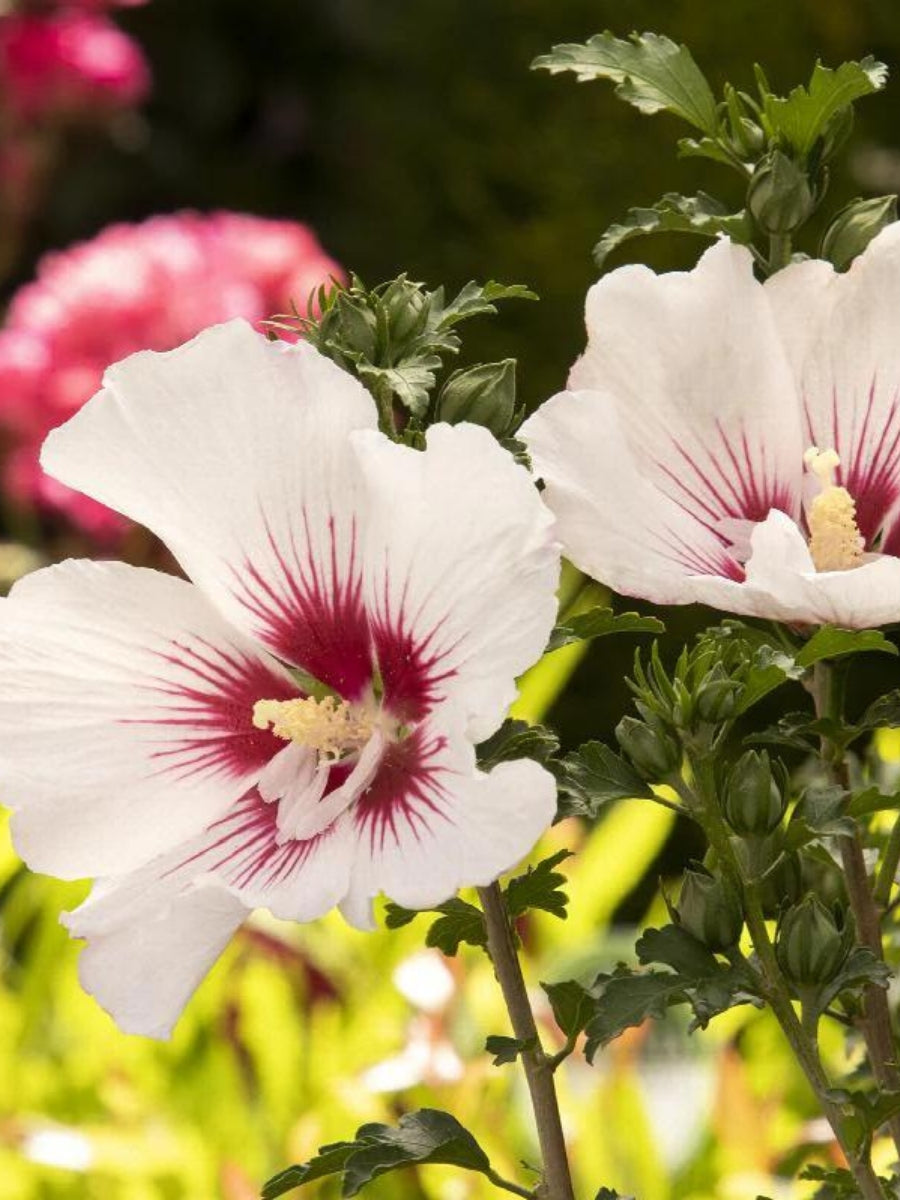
[[835, 542]]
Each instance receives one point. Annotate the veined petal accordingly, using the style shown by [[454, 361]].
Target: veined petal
[[614, 520], [461, 567], [693, 366], [235, 451], [840, 331], [782, 584], [431, 823], [125, 715]]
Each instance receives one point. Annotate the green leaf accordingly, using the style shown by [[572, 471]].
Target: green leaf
[[572, 1005], [600, 622], [674, 947], [709, 986], [650, 72], [474, 300], [699, 214], [870, 801], [800, 731], [831, 642], [626, 999], [822, 812], [459, 922], [769, 670], [860, 968], [514, 740], [706, 147], [411, 382], [426, 1136], [330, 1160], [802, 117], [507, 1049], [595, 775], [540, 887], [882, 713]]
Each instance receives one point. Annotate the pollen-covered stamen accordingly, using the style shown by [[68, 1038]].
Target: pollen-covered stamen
[[835, 542], [331, 726]]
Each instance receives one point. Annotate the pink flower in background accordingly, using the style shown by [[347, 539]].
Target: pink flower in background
[[68, 63], [134, 287]]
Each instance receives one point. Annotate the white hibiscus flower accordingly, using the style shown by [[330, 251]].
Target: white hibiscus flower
[[736, 443], [164, 735]]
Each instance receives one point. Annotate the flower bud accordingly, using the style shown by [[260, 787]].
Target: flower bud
[[654, 752], [484, 395], [779, 197], [855, 226], [753, 803], [710, 910], [810, 946], [716, 697]]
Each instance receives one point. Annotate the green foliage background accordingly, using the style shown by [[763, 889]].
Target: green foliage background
[[412, 136]]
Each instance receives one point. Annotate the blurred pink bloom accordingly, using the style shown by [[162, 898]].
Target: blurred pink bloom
[[68, 63], [149, 286]]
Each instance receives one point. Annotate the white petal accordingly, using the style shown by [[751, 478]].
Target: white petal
[[783, 585], [144, 971], [460, 572], [310, 812], [434, 823], [615, 523], [842, 333], [234, 450], [693, 365], [125, 715]]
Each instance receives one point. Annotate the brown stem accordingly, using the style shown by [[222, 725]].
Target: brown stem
[[876, 1021], [557, 1181]]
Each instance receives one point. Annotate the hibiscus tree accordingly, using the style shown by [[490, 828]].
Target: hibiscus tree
[[295, 727], [736, 443]]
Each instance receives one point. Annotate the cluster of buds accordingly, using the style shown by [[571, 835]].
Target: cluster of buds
[[693, 706]]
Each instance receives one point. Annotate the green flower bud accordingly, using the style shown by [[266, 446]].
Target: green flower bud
[[484, 395], [810, 946], [710, 910], [654, 752], [779, 197], [752, 801], [716, 697], [855, 226]]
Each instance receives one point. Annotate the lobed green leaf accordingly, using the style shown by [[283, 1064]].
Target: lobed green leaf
[[650, 72]]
